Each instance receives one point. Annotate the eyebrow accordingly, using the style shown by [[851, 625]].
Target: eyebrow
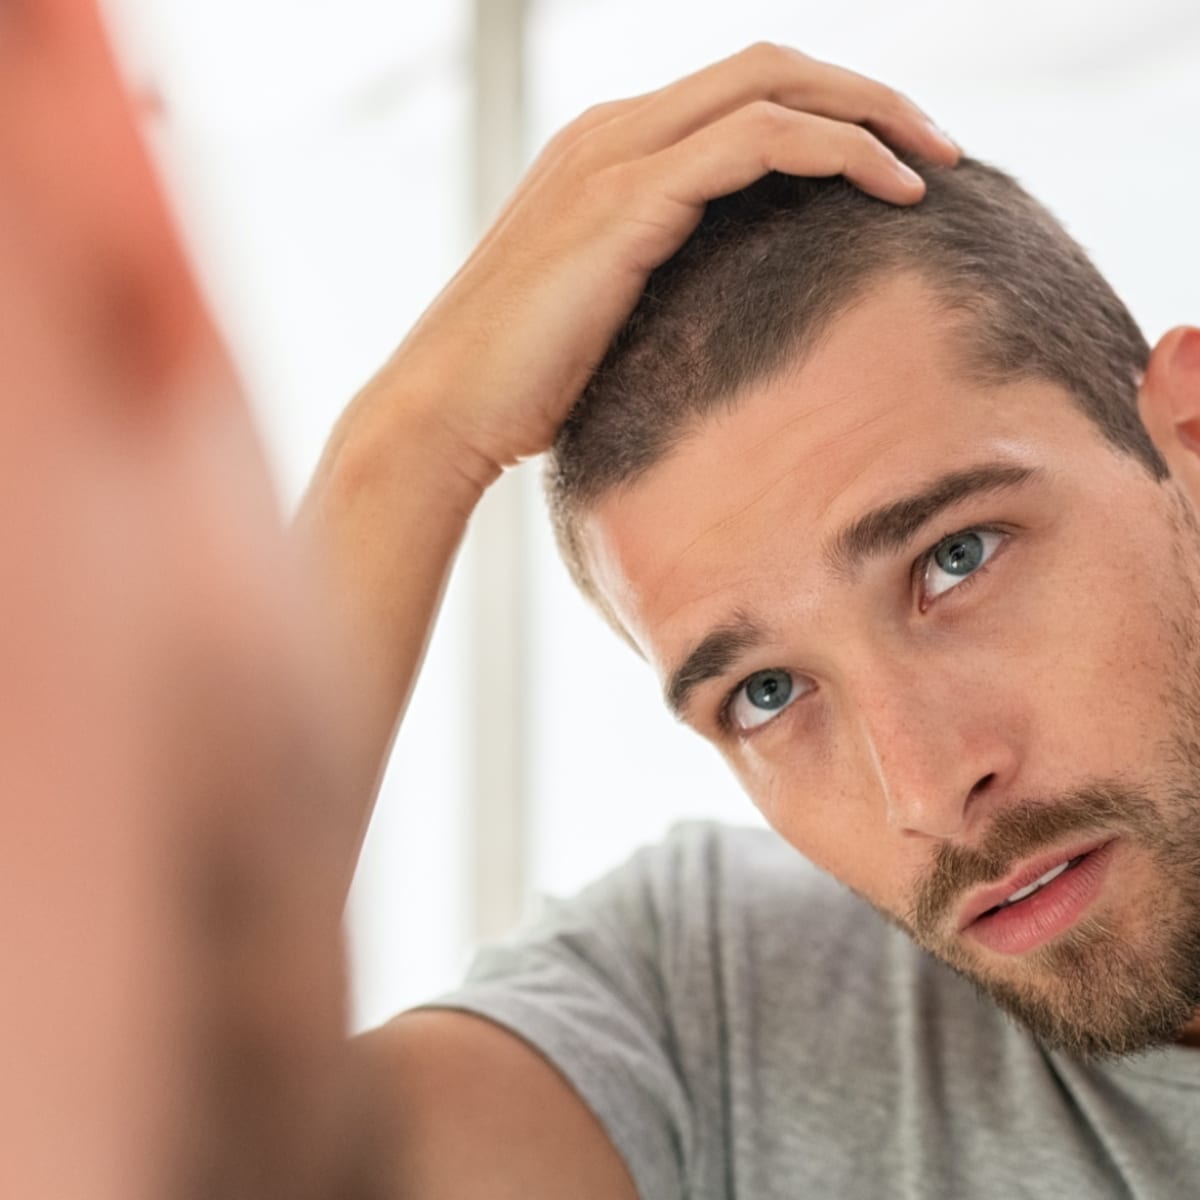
[[712, 657], [884, 530], [891, 527]]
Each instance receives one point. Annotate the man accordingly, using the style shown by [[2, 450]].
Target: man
[[885, 495], [852, 478], [174, 878]]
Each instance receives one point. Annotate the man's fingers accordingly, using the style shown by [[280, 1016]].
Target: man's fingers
[[591, 119], [767, 72], [885, 111], [624, 131], [760, 137], [552, 152]]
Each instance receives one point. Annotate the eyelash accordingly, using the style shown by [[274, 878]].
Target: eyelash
[[920, 566], [919, 569], [724, 724]]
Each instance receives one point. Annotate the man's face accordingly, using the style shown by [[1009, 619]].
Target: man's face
[[943, 634]]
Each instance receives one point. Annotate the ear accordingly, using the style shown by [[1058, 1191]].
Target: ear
[[1169, 403]]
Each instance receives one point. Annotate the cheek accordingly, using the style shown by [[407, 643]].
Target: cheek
[[1102, 656], [829, 823]]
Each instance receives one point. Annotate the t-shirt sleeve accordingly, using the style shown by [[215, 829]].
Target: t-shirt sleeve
[[584, 985]]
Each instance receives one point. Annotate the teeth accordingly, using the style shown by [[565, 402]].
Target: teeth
[[1037, 883]]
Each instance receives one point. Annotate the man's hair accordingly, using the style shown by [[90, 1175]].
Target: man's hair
[[769, 268]]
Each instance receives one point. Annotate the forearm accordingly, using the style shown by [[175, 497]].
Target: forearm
[[382, 521]]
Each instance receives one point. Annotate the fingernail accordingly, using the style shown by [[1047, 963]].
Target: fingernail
[[908, 174], [943, 136]]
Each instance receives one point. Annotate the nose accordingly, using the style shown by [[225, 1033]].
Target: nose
[[935, 749]]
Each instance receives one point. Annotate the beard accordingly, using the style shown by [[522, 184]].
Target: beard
[[1115, 983], [1123, 981]]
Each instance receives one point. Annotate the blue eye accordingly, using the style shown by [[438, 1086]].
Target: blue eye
[[761, 697], [957, 557]]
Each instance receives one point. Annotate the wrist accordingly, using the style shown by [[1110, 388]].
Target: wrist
[[398, 430]]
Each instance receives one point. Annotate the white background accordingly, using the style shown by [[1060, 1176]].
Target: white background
[[317, 152]]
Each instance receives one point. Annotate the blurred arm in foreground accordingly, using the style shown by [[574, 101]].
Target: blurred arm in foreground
[[170, 893]]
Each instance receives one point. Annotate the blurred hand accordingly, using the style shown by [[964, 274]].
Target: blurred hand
[[502, 354]]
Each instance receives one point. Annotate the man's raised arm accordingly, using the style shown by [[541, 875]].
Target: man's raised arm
[[491, 370]]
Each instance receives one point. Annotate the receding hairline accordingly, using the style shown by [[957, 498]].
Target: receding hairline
[[964, 357], [963, 329], [968, 362]]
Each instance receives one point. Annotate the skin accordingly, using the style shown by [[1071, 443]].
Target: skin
[[928, 706], [172, 737]]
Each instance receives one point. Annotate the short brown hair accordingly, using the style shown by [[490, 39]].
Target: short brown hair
[[770, 267]]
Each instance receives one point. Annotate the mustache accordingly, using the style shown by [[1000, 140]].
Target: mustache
[[1017, 832]]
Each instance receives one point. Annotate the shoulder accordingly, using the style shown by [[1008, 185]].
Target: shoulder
[[669, 907], [732, 880], [712, 928], [723, 864], [661, 920]]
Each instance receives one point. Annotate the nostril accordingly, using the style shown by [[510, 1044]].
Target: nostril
[[984, 783]]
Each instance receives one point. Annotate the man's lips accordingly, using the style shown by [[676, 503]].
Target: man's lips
[[985, 899]]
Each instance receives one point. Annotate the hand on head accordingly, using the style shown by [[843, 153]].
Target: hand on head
[[611, 197]]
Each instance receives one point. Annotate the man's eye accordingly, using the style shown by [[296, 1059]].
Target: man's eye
[[955, 558], [761, 697]]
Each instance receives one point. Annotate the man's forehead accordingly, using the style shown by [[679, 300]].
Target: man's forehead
[[741, 516], [873, 410]]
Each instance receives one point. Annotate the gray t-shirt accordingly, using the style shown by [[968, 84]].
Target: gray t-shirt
[[744, 1026]]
